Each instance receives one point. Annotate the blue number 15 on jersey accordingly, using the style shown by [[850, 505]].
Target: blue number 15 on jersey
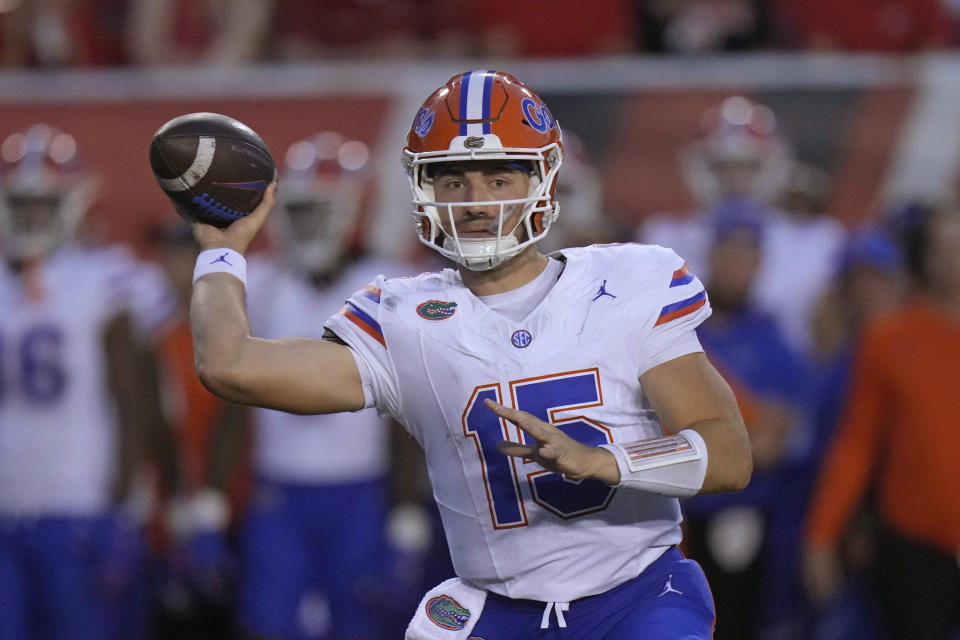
[[544, 397]]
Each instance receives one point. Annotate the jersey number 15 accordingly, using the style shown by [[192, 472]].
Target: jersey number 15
[[544, 397]]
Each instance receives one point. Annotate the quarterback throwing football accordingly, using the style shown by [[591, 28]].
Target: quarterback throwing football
[[563, 401]]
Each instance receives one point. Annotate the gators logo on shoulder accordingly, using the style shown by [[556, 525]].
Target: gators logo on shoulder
[[446, 613], [436, 309]]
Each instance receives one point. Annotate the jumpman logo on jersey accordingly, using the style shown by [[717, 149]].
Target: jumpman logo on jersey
[[223, 259], [668, 588], [602, 291]]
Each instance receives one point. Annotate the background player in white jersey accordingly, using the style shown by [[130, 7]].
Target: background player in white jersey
[[76, 408], [510, 371], [315, 525], [742, 159], [580, 190]]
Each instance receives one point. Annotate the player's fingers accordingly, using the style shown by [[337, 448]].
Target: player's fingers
[[503, 411], [266, 205], [516, 449], [526, 421], [241, 233], [537, 429], [269, 198], [549, 452]]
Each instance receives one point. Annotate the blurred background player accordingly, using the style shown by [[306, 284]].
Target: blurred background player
[[739, 538], [219, 33], [868, 283], [580, 194], [79, 407], [741, 159], [738, 154], [194, 542], [314, 555], [897, 441]]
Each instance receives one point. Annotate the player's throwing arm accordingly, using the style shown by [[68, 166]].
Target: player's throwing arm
[[298, 375]]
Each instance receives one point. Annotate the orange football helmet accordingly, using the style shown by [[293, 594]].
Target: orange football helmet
[[483, 115]]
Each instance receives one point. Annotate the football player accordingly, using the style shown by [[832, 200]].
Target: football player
[[78, 402], [315, 525], [742, 159], [563, 404], [195, 563]]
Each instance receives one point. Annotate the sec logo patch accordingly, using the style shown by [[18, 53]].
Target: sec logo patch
[[521, 339]]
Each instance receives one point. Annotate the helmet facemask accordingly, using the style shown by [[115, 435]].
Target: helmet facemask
[[34, 225], [487, 116], [436, 221], [314, 224], [740, 153], [318, 208]]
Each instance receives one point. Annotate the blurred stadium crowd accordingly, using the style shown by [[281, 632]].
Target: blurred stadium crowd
[[135, 505], [96, 33]]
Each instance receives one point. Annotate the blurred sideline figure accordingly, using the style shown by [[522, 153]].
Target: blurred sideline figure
[[897, 439], [868, 284], [742, 159], [79, 408], [194, 542], [313, 548], [740, 538], [310, 30], [580, 194], [61, 33], [213, 32]]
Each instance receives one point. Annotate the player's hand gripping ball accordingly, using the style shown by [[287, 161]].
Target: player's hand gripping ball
[[213, 168]]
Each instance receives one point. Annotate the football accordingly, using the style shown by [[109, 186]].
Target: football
[[213, 168]]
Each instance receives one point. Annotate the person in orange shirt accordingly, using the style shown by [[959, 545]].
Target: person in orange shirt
[[898, 436]]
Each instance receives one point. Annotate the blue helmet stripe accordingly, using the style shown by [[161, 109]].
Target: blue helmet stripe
[[464, 91], [487, 87]]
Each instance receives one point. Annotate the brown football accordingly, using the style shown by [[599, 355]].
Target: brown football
[[213, 168]]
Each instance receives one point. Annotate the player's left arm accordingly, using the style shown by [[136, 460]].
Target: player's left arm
[[689, 394], [133, 378]]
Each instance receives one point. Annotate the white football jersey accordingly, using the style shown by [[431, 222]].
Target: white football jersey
[[690, 236], [430, 352], [57, 418], [326, 449], [799, 262]]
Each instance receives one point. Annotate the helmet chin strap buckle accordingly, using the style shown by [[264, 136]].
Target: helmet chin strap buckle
[[481, 254]]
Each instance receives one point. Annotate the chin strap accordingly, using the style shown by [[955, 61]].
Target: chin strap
[[480, 254]]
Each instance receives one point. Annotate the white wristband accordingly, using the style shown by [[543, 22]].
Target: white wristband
[[670, 466], [221, 261]]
